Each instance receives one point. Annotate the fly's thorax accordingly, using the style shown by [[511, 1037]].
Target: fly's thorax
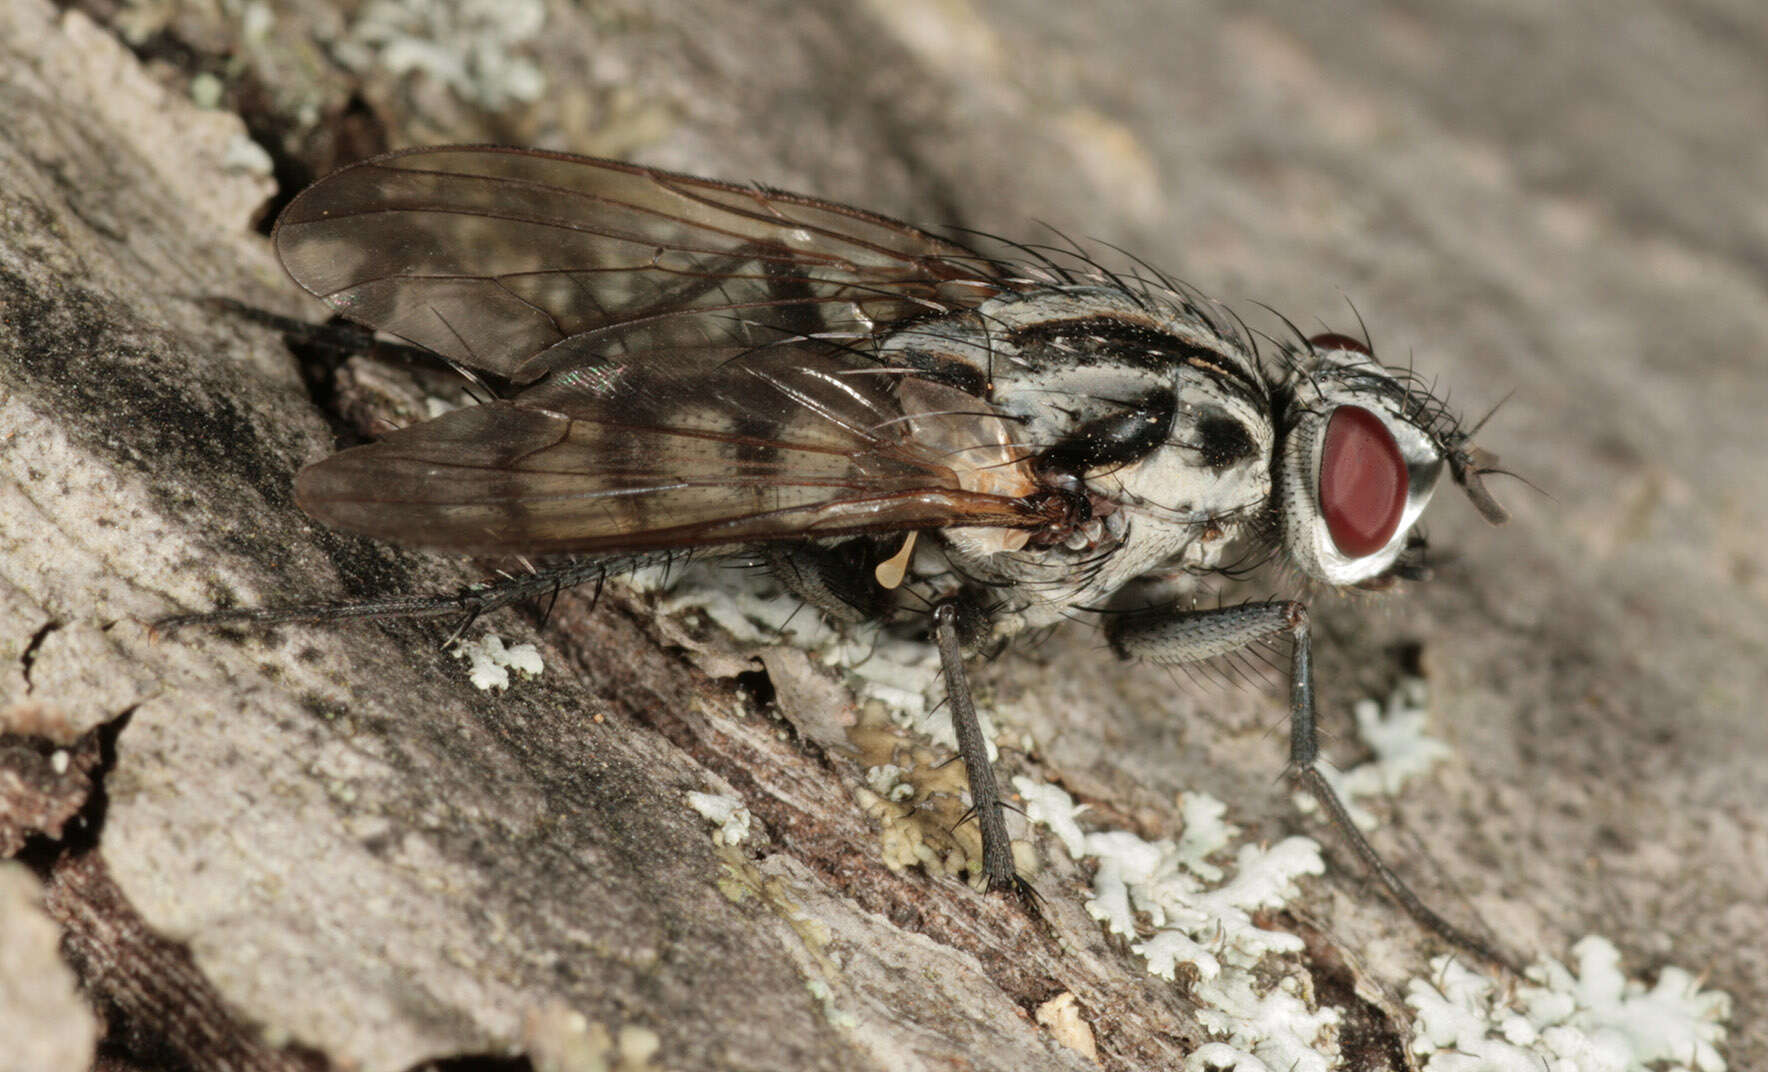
[[1154, 415], [1358, 464]]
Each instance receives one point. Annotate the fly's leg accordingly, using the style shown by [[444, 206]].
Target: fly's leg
[[469, 603], [985, 793], [1173, 638], [836, 580], [340, 337], [839, 581]]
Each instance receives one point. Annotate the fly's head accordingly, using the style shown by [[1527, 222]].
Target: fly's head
[[1363, 449]]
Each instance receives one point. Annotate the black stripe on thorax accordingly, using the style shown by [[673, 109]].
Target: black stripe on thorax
[[1136, 345]]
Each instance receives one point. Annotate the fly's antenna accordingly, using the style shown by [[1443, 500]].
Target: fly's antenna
[[1469, 465]]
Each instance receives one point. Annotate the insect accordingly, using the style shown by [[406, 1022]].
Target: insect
[[893, 422]]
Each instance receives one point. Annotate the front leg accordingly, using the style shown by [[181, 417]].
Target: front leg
[[1175, 637]]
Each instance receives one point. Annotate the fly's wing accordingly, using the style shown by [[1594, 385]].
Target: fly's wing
[[523, 263], [683, 450], [696, 387]]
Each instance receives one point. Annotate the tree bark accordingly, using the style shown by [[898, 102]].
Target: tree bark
[[324, 846]]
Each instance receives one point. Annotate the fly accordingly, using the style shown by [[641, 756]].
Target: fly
[[894, 423]]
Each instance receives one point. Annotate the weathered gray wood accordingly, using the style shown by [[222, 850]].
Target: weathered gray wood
[[364, 854]]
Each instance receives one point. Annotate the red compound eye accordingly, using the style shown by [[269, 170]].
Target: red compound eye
[[1363, 482]]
